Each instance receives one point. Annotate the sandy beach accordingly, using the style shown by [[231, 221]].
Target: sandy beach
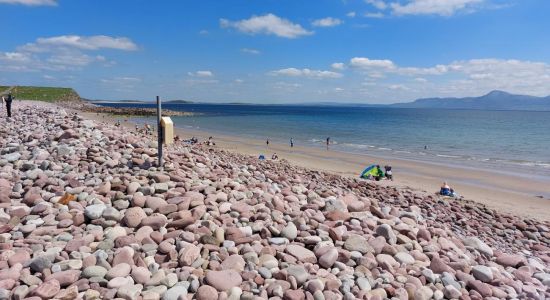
[[507, 193]]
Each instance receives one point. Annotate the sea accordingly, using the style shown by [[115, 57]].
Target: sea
[[515, 142]]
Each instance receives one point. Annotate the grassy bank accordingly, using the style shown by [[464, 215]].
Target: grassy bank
[[47, 94]]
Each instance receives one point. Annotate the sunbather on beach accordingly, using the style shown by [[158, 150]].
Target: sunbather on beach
[[446, 190]]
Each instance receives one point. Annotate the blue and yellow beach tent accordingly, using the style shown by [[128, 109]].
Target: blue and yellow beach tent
[[370, 170]]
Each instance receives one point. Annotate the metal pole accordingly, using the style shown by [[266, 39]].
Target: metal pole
[[159, 132]]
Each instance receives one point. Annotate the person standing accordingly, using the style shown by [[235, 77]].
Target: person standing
[[8, 104], [328, 141], [291, 143], [267, 143]]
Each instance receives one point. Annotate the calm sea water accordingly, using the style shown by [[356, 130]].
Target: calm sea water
[[509, 141]]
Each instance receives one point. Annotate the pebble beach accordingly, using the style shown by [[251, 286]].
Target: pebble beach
[[85, 213]]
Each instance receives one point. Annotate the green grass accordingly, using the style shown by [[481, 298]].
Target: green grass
[[48, 94]]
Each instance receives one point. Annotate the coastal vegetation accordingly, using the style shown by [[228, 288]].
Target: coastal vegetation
[[69, 98], [41, 93]]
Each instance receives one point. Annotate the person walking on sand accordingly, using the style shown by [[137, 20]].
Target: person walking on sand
[[8, 104], [291, 143], [267, 143]]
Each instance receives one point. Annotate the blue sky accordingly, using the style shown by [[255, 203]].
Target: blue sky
[[365, 51]]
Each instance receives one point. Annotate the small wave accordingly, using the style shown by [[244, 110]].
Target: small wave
[[385, 149], [535, 164], [403, 151], [448, 156], [360, 146]]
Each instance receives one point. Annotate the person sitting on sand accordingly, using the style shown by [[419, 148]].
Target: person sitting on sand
[[261, 157], [446, 190], [274, 156], [389, 173]]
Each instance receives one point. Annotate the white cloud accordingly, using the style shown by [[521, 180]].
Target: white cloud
[[238, 80], [129, 79], [95, 42], [201, 74], [286, 86], [379, 4], [31, 2], [66, 52], [326, 22], [366, 63], [76, 59], [351, 14], [436, 70], [433, 7], [338, 66], [462, 77], [14, 57], [267, 24], [386, 65], [377, 15], [250, 51], [398, 87], [294, 72], [376, 75]]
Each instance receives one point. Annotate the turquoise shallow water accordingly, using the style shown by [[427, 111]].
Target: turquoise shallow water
[[507, 141]]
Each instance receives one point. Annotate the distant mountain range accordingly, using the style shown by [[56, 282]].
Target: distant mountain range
[[495, 100]]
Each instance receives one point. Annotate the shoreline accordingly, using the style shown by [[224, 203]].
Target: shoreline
[[503, 192]]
